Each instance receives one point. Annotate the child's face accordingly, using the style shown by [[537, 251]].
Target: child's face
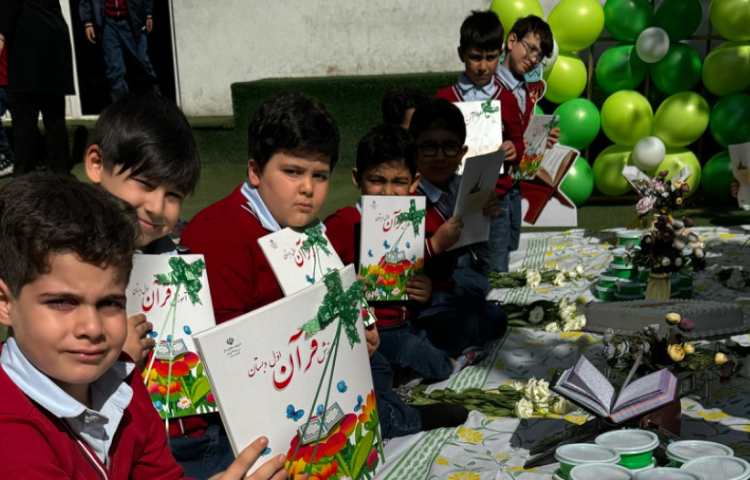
[[293, 188], [524, 54], [439, 153], [480, 65], [70, 323], [389, 178], [158, 206]]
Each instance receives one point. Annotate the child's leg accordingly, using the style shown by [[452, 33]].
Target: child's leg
[[407, 349], [206, 455], [396, 417]]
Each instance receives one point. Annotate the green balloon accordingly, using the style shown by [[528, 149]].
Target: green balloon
[[717, 178], [579, 182], [626, 19], [680, 18], [678, 158], [627, 117], [678, 71], [579, 122], [538, 110], [731, 18], [566, 80], [727, 69], [608, 170], [620, 68], [576, 24], [730, 120], [511, 10], [681, 119]]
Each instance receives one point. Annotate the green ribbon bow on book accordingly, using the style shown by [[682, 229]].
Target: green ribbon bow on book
[[183, 274], [413, 217], [337, 303], [315, 238], [488, 109]]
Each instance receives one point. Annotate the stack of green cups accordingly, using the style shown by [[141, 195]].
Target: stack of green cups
[[682, 451], [574, 454], [636, 447]]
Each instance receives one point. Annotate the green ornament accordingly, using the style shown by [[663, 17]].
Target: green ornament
[[337, 303], [315, 239], [183, 274], [413, 217]]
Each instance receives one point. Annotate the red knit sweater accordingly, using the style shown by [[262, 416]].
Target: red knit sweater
[[37, 446]]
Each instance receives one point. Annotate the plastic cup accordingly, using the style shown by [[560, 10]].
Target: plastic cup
[[600, 471], [721, 467], [575, 454], [683, 451], [628, 238], [636, 447], [626, 272], [667, 473]]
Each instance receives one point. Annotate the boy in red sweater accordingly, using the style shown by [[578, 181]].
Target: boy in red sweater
[[72, 405], [454, 320], [486, 78]]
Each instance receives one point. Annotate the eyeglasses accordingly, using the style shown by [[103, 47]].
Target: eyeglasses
[[449, 149], [534, 53]]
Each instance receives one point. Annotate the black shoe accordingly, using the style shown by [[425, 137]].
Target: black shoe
[[441, 415]]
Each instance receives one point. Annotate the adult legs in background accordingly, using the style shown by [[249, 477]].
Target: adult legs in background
[[25, 113], [55, 132]]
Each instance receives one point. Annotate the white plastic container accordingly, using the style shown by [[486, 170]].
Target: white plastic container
[[720, 468], [600, 471], [575, 454], [684, 451], [636, 447], [667, 473]]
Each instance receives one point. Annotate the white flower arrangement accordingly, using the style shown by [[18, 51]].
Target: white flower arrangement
[[536, 316], [538, 399], [533, 278]]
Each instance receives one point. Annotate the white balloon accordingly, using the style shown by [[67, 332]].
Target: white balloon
[[652, 44], [648, 153]]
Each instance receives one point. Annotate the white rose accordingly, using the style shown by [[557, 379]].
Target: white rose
[[560, 406], [517, 386], [533, 278], [552, 327], [540, 393], [580, 270], [559, 280], [524, 409], [536, 315]]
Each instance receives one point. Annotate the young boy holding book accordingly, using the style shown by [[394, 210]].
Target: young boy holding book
[[486, 78], [73, 407], [143, 152], [453, 321]]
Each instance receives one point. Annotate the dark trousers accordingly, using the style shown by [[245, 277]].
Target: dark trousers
[[396, 417], [25, 108], [3, 108], [407, 348], [117, 41], [204, 456], [455, 322]]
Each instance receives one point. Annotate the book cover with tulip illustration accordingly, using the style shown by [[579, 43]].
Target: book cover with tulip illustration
[[172, 292], [297, 371], [300, 258], [391, 246]]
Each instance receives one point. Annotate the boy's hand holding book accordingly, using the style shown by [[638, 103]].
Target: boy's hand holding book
[[447, 234], [373, 339], [419, 288], [273, 469], [138, 344], [509, 150], [554, 136]]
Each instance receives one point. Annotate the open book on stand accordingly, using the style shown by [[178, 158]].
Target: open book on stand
[[585, 385]]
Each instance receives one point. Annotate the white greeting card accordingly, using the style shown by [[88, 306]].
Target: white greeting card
[[172, 291], [297, 372], [299, 258], [392, 244], [484, 128], [476, 187]]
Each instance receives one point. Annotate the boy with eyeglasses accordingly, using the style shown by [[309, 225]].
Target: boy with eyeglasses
[[486, 77]]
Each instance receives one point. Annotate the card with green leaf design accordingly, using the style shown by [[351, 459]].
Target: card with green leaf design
[[484, 128], [300, 258], [172, 292], [297, 372], [391, 245]]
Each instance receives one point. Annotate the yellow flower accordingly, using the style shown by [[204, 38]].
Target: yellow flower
[[464, 476], [676, 352], [673, 318], [441, 460], [469, 435], [720, 358], [689, 348], [373, 269]]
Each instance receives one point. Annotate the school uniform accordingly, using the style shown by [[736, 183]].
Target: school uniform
[[49, 434]]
